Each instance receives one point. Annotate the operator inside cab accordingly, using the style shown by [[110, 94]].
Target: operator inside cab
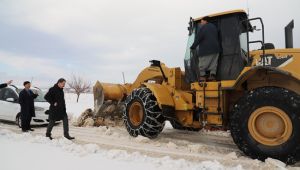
[[206, 49]]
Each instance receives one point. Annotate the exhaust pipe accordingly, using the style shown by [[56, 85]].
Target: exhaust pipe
[[289, 35]]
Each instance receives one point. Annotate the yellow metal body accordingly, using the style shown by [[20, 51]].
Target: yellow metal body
[[215, 99]]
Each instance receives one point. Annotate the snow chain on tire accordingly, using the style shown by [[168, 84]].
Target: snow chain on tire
[[152, 122]]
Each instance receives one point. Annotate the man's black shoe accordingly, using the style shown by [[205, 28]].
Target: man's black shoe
[[31, 129], [24, 130], [49, 136], [69, 137]]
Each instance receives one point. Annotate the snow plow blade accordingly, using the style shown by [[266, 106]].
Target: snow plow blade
[[107, 91]]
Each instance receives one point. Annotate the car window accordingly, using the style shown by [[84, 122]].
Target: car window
[[40, 97], [6, 93]]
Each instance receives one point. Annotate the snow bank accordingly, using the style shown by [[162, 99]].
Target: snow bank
[[86, 100], [275, 164], [37, 152]]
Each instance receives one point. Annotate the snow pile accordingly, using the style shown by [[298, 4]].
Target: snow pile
[[86, 100], [82, 113], [275, 164], [29, 150]]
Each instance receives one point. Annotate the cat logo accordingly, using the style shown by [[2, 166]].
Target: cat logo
[[275, 61]]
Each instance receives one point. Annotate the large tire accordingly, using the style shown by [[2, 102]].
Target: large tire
[[266, 123], [142, 115], [178, 126]]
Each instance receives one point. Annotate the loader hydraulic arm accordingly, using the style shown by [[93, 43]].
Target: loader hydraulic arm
[[156, 63]]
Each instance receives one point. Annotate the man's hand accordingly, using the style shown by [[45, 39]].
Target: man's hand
[[9, 82], [55, 104]]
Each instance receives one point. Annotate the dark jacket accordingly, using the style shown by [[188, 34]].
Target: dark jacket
[[56, 95], [26, 100], [207, 40], [3, 85]]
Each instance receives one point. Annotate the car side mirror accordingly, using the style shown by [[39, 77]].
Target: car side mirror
[[10, 99]]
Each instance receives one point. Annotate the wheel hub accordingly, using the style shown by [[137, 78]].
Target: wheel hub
[[136, 113], [270, 126]]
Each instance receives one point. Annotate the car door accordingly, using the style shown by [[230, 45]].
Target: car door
[[9, 104], [3, 104]]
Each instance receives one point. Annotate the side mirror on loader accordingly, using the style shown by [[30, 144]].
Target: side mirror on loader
[[155, 63]]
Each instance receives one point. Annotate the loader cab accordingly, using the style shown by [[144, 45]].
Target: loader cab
[[233, 41]]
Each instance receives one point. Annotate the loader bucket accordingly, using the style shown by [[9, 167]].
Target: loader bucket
[[107, 91]]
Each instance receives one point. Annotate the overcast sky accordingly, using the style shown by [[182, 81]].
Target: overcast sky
[[44, 40]]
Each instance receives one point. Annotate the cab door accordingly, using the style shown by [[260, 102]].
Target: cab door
[[190, 60]]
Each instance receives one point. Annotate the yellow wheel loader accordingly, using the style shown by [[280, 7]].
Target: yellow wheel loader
[[256, 95]]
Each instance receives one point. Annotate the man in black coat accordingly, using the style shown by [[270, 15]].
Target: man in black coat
[[26, 100], [57, 111], [208, 49], [5, 84]]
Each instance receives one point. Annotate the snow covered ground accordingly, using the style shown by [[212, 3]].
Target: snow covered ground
[[113, 148], [37, 152]]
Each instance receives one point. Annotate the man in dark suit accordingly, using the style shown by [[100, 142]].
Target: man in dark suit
[[26, 100], [5, 84], [57, 111], [208, 49]]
